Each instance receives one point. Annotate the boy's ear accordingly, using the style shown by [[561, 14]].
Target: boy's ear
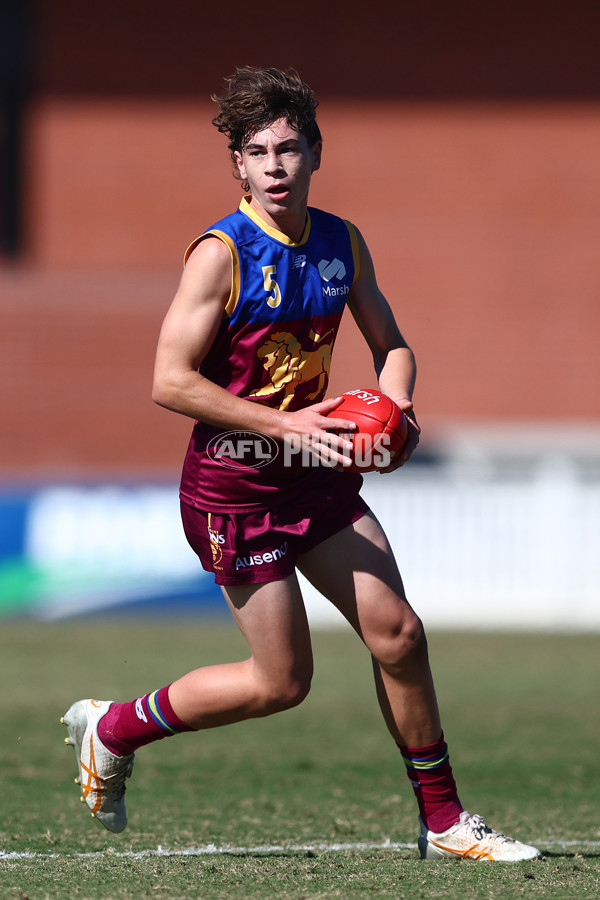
[[240, 163], [317, 151]]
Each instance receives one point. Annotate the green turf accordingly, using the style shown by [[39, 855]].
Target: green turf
[[520, 715]]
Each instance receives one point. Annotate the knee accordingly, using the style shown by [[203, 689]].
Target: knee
[[401, 644], [284, 694]]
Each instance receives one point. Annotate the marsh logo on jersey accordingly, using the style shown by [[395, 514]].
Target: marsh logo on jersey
[[257, 559], [334, 269]]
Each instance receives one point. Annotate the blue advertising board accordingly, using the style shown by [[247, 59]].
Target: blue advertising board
[[73, 550]]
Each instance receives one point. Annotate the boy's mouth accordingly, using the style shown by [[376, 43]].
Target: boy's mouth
[[277, 189]]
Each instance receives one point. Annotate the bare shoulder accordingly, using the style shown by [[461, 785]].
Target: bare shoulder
[[210, 252], [207, 271], [194, 315]]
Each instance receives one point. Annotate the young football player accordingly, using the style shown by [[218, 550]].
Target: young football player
[[245, 348]]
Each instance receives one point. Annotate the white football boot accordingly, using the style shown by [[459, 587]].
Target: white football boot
[[471, 838], [101, 774]]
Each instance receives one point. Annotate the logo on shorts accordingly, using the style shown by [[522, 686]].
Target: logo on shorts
[[239, 449], [257, 559], [216, 540]]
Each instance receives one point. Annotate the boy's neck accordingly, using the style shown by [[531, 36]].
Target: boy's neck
[[292, 225]]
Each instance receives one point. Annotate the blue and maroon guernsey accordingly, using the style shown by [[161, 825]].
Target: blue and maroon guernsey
[[274, 346]]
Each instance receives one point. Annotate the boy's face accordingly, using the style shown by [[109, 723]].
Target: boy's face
[[278, 164]]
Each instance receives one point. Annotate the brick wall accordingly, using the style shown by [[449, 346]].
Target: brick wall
[[479, 195]]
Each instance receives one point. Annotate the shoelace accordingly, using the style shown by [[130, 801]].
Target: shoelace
[[480, 829]]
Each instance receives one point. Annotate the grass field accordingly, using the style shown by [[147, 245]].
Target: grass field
[[313, 803]]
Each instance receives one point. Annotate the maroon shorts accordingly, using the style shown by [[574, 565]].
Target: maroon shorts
[[262, 545]]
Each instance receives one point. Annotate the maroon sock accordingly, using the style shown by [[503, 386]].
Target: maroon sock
[[430, 774], [127, 726]]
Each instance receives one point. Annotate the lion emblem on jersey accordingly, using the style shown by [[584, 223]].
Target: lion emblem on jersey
[[289, 364]]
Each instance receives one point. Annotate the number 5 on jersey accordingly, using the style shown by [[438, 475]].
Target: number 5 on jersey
[[274, 298]]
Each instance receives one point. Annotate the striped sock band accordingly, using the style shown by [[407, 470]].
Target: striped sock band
[[424, 762], [127, 726], [161, 711], [430, 774]]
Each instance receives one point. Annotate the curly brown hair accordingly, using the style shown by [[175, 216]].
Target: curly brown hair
[[256, 97]]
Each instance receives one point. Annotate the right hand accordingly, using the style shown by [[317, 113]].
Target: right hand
[[316, 432]]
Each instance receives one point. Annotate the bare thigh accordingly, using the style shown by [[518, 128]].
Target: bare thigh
[[272, 618], [356, 570]]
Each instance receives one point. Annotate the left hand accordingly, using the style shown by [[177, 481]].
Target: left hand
[[411, 441]]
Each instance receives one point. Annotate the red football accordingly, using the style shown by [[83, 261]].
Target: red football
[[382, 428]]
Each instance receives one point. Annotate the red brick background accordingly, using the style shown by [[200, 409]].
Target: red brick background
[[476, 184]]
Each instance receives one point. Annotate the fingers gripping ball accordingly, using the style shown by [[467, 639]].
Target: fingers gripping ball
[[382, 428]]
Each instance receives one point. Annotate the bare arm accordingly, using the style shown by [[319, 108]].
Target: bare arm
[[187, 333], [393, 359]]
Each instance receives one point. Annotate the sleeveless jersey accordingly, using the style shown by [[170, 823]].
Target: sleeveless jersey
[[273, 347]]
